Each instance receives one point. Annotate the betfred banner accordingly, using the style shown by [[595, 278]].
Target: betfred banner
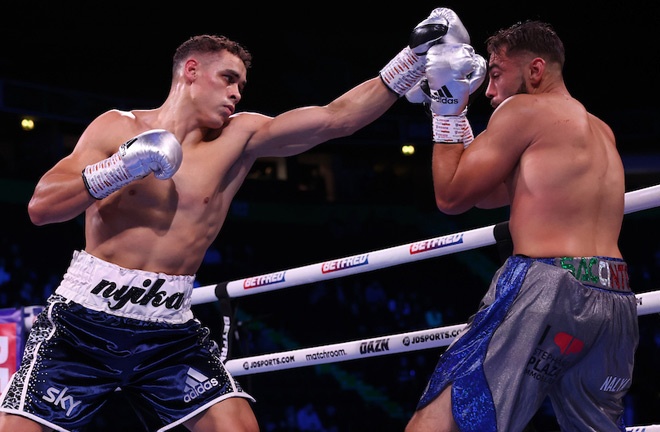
[[11, 342]]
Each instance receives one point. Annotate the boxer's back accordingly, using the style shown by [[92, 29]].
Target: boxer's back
[[568, 190]]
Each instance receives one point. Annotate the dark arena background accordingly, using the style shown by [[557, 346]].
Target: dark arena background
[[63, 63]]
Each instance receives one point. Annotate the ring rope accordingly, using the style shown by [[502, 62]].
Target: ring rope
[[635, 201], [647, 303]]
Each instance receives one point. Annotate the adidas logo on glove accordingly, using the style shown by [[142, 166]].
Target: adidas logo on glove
[[441, 95]]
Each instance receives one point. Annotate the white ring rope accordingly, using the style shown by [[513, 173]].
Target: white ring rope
[[638, 200], [642, 199], [349, 265], [647, 303]]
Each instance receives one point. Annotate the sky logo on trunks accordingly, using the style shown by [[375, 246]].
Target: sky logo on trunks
[[137, 295], [196, 384], [59, 398]]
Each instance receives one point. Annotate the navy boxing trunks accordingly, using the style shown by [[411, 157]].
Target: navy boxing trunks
[[565, 328], [107, 328]]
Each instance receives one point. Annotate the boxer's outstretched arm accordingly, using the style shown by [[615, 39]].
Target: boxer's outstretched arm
[[298, 130]]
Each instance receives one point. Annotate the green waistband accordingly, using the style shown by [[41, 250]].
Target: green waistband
[[602, 272]]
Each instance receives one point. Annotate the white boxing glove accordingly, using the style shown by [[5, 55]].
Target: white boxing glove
[[453, 73], [407, 68], [155, 150]]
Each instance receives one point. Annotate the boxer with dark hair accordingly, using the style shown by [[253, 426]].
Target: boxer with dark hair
[[121, 317], [559, 319]]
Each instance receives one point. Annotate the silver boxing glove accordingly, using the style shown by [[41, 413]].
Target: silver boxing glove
[[459, 68], [454, 72], [442, 26], [407, 68], [155, 150]]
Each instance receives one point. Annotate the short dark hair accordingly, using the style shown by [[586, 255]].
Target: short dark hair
[[533, 36], [210, 44]]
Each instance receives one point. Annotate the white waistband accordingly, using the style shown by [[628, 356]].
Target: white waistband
[[147, 296]]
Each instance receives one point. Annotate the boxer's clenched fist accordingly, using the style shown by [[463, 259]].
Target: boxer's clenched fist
[[407, 68], [453, 73], [156, 151], [442, 26]]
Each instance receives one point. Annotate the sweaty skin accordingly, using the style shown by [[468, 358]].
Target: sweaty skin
[[167, 225], [543, 154]]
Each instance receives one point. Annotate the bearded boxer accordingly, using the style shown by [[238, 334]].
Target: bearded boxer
[[559, 319], [121, 317]]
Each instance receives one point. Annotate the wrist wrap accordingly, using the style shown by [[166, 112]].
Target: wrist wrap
[[452, 130], [403, 71], [104, 177]]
